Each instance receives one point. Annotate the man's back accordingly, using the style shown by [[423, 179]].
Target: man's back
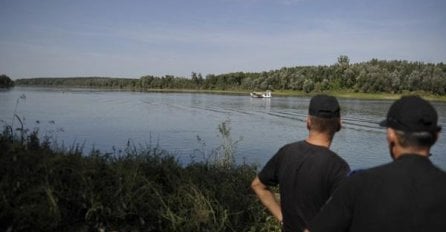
[[307, 172], [408, 194], [307, 175]]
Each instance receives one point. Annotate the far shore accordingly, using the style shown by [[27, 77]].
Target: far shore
[[346, 94]]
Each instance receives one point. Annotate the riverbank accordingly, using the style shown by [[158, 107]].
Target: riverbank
[[347, 94]]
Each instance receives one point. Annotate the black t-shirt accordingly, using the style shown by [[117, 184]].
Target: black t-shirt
[[408, 194], [307, 175]]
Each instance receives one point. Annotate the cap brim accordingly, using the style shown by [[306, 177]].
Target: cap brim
[[383, 123]]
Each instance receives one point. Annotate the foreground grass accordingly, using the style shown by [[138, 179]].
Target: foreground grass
[[43, 188]]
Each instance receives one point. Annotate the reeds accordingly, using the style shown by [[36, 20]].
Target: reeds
[[43, 188]]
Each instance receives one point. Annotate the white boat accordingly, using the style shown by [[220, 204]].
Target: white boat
[[265, 94]]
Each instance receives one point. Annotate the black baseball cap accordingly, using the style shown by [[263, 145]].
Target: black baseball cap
[[412, 114], [324, 106]]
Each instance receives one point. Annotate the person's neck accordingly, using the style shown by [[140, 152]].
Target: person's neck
[[401, 151], [319, 139]]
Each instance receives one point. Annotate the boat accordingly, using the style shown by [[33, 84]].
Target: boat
[[266, 94]]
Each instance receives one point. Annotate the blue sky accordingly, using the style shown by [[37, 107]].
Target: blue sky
[[132, 38]]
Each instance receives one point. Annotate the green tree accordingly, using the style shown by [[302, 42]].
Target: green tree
[[308, 86], [438, 82], [348, 78], [343, 61], [395, 82], [5, 81], [197, 79]]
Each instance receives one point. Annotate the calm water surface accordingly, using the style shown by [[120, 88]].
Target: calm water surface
[[186, 124]]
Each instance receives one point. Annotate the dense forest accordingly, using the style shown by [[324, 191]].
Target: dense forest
[[374, 76]]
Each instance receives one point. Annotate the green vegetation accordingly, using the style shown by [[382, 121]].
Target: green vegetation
[[375, 76], [5, 81], [46, 188]]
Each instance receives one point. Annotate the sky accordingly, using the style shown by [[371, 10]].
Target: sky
[[133, 38]]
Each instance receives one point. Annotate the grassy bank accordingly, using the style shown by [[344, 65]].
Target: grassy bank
[[45, 188]]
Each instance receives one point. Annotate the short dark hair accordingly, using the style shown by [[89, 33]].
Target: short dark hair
[[325, 125], [416, 139]]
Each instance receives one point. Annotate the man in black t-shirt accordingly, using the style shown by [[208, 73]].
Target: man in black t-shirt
[[408, 194], [307, 172]]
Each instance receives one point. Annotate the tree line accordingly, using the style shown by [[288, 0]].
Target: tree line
[[374, 76]]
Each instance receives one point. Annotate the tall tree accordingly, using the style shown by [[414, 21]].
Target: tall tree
[[5, 81]]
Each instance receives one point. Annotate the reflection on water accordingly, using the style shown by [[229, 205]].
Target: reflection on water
[[110, 119]]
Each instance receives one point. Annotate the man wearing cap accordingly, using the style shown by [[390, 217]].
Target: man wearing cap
[[307, 172], [408, 194]]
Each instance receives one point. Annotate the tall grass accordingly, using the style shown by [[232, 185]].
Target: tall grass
[[43, 188]]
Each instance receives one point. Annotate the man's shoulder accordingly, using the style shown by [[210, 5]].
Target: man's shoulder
[[397, 167], [331, 157], [300, 143], [361, 174], [387, 173], [303, 147], [315, 153], [336, 156], [293, 147]]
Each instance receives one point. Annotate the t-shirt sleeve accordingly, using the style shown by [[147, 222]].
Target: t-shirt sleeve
[[339, 174], [337, 213], [269, 174]]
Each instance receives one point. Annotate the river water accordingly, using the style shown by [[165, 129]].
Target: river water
[[186, 124]]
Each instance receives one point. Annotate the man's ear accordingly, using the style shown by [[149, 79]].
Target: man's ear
[[437, 135], [308, 122], [339, 125], [391, 135]]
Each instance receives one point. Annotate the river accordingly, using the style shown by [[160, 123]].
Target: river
[[186, 124]]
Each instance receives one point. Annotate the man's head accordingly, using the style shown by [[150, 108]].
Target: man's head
[[412, 123], [324, 114]]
